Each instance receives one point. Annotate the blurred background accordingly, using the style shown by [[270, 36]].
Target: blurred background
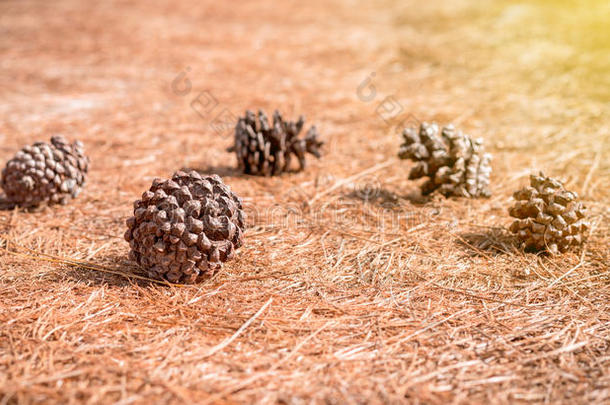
[[530, 74]]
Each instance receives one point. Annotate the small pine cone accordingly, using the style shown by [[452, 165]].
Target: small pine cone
[[266, 150], [548, 217], [46, 173], [455, 164], [184, 228]]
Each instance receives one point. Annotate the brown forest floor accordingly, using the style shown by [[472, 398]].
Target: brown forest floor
[[350, 288]]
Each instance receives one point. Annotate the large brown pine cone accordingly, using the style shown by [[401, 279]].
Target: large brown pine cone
[[455, 164], [267, 150], [548, 216], [45, 173], [184, 228]]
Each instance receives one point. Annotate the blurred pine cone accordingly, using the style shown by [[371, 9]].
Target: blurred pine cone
[[267, 150], [548, 217], [184, 228], [45, 173], [455, 164]]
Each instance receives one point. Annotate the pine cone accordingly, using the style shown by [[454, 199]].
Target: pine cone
[[455, 164], [267, 150], [549, 217], [184, 228], [45, 173]]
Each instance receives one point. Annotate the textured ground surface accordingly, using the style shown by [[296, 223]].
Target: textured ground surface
[[351, 288]]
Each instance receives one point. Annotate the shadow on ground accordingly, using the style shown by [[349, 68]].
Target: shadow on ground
[[387, 198], [114, 270], [222, 171], [230, 171], [6, 205], [493, 240]]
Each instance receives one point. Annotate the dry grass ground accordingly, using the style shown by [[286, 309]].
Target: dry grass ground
[[350, 288]]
